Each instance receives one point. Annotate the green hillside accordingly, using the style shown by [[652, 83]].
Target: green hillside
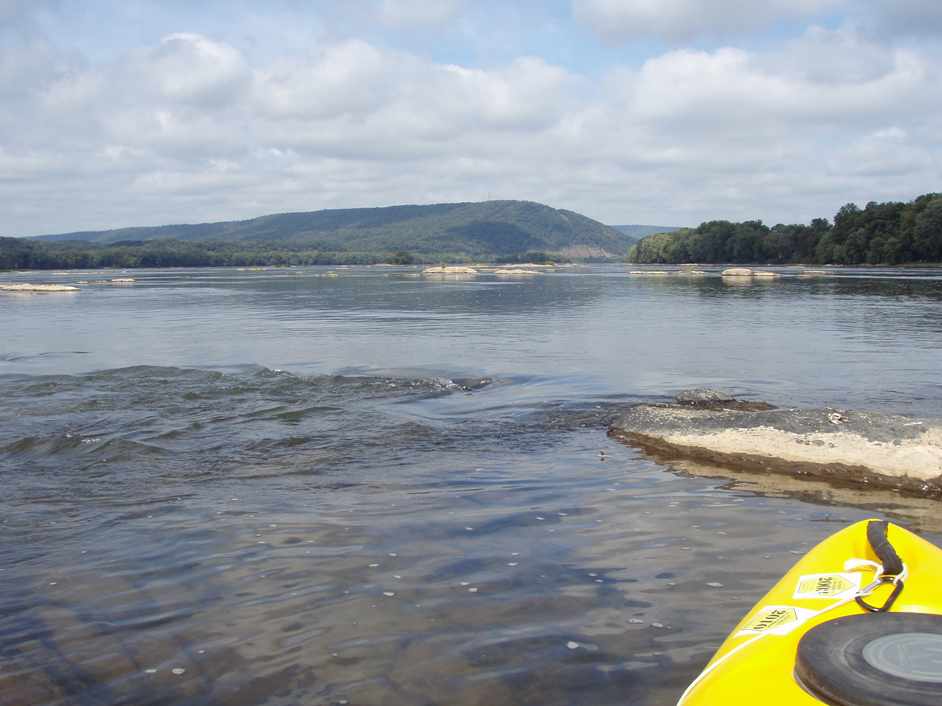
[[491, 229]]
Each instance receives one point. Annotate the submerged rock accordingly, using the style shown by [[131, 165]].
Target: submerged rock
[[703, 395], [864, 448], [705, 398]]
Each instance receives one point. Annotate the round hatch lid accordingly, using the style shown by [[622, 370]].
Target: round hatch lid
[[878, 659]]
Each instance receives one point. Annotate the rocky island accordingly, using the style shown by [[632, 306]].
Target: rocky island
[[861, 448], [28, 287]]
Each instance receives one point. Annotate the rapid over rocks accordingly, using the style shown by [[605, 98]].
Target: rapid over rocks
[[862, 448]]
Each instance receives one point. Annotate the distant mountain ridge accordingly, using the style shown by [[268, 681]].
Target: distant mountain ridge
[[485, 229]]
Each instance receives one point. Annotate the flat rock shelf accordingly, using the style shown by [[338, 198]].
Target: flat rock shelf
[[865, 448]]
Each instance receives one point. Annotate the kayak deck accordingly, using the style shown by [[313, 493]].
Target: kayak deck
[[756, 663]]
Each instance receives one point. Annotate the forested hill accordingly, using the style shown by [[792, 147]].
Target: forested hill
[[880, 233], [490, 228]]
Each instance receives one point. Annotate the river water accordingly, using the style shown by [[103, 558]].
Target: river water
[[358, 486]]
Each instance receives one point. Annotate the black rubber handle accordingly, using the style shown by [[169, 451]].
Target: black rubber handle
[[876, 535]]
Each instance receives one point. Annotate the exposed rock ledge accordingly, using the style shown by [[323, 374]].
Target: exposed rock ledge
[[449, 270], [868, 449], [515, 271], [25, 287]]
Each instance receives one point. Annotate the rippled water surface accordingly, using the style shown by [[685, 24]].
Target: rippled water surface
[[290, 487]]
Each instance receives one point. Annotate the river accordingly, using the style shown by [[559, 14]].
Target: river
[[360, 486]]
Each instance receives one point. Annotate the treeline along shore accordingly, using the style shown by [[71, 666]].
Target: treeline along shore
[[26, 254], [890, 233]]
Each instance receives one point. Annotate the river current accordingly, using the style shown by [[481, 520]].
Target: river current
[[360, 486]]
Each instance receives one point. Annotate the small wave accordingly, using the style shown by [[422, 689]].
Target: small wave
[[111, 450], [206, 384], [151, 372], [34, 445], [271, 445], [116, 450], [133, 423]]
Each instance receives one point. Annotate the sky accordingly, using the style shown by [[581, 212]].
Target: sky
[[670, 112]]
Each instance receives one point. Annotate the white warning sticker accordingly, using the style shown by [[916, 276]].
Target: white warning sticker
[[775, 619], [827, 585]]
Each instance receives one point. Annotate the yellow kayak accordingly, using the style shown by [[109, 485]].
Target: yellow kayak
[[856, 622]]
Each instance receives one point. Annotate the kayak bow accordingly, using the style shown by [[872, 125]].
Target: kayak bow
[[857, 621]]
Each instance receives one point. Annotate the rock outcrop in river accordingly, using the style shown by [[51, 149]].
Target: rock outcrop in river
[[26, 287], [449, 270], [863, 448], [515, 272]]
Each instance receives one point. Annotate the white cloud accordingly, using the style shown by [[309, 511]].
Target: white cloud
[[190, 68], [739, 89], [350, 77], [527, 94], [685, 19], [411, 13], [681, 20], [912, 17], [834, 56], [883, 153]]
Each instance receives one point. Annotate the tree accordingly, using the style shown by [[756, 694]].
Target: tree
[[927, 232], [403, 258]]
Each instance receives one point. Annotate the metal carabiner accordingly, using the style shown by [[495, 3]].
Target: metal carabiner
[[897, 582]]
